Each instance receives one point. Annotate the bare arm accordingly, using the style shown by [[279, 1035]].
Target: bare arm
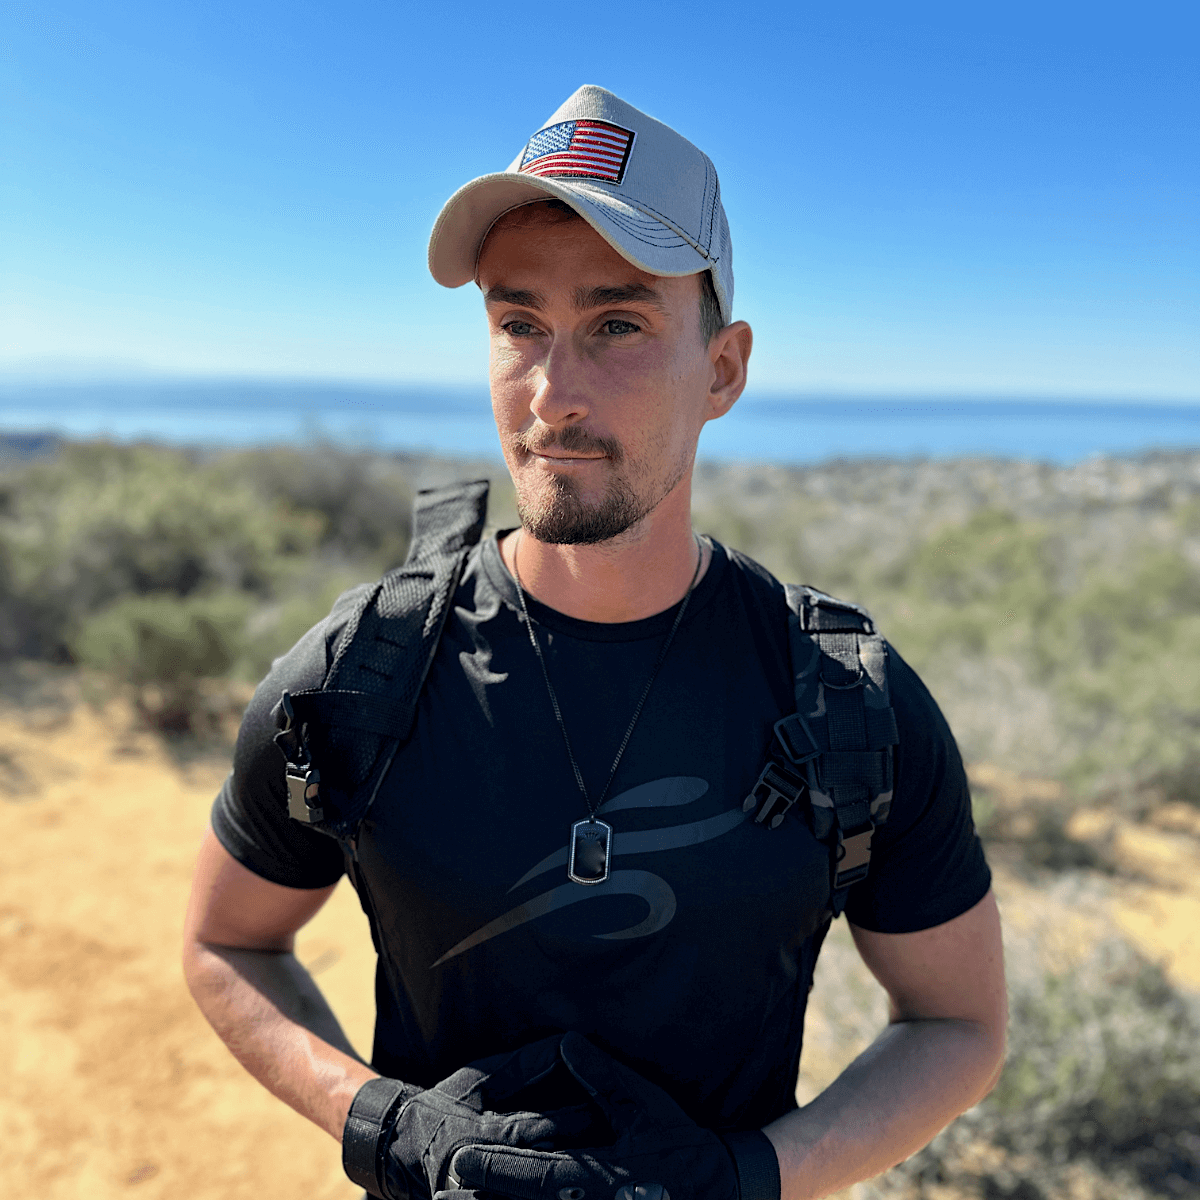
[[238, 962], [941, 1053]]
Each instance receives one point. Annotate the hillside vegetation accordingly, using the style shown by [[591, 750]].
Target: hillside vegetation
[[1054, 612]]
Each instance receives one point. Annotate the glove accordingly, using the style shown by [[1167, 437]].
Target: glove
[[398, 1140], [658, 1150]]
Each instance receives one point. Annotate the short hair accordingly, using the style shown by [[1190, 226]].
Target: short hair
[[555, 211], [711, 320]]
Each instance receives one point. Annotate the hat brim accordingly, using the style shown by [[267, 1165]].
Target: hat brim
[[463, 224]]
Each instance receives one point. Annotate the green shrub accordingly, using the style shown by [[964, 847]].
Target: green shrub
[[104, 521], [166, 646], [1102, 1083], [361, 501]]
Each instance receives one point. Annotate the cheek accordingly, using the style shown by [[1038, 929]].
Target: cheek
[[505, 361], [509, 379]]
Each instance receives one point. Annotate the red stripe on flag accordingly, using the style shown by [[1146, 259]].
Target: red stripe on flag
[[607, 160], [557, 160], [585, 169], [602, 135], [574, 160]]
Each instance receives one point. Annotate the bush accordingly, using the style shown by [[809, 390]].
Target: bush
[[103, 522], [361, 501], [1100, 1096], [166, 647]]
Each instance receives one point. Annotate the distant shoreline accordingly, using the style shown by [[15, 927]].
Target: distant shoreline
[[458, 422]]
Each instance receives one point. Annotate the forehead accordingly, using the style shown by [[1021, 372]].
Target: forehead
[[531, 248]]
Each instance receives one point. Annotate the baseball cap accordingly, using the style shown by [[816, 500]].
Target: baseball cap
[[651, 194]]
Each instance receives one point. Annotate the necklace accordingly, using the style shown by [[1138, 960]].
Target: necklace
[[591, 840]]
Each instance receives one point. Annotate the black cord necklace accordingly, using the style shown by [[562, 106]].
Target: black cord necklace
[[591, 840]]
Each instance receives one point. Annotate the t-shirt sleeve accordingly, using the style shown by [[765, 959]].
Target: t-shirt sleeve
[[927, 863], [249, 816]]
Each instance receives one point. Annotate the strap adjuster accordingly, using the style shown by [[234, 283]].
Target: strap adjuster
[[796, 738], [773, 795]]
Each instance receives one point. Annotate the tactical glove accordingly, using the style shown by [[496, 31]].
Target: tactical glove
[[398, 1140], [657, 1148]]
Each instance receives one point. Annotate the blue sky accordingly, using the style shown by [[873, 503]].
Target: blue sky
[[991, 198]]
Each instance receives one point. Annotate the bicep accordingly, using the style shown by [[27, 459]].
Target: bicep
[[232, 906], [953, 971]]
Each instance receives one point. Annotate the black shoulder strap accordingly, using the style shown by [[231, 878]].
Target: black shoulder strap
[[838, 743], [339, 740]]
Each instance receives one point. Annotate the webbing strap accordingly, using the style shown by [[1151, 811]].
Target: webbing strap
[[354, 710], [352, 726], [843, 728], [756, 1164], [365, 1134]]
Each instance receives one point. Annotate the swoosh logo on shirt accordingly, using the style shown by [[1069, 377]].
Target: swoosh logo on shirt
[[657, 892], [652, 888]]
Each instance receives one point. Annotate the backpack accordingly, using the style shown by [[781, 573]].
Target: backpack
[[339, 740]]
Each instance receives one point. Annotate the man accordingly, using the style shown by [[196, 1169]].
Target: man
[[602, 669]]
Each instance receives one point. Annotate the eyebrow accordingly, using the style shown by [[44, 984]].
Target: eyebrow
[[583, 298], [626, 293], [518, 296]]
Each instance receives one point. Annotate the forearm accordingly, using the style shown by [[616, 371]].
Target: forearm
[[266, 1008], [892, 1100]]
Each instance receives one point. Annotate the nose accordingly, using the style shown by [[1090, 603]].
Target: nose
[[559, 398]]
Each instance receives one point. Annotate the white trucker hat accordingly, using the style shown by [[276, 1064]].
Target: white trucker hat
[[645, 189]]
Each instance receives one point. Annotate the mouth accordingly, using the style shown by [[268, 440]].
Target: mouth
[[560, 458]]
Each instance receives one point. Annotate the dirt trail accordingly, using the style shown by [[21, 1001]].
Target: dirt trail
[[115, 1086], [113, 1083]]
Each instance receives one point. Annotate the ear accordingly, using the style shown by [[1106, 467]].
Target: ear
[[729, 353]]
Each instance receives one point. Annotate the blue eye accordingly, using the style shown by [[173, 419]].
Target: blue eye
[[518, 328], [618, 328]]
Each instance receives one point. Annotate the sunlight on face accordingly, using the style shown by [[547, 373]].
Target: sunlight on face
[[599, 375]]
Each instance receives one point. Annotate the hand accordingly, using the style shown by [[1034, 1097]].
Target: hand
[[657, 1147], [522, 1099]]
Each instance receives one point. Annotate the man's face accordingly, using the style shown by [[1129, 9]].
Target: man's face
[[600, 376]]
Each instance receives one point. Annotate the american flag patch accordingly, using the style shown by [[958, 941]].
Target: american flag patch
[[585, 149]]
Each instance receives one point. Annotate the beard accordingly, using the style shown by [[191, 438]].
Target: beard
[[559, 515], [564, 518]]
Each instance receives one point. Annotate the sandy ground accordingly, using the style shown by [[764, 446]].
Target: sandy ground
[[113, 1083]]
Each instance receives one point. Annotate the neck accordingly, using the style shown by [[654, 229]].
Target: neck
[[642, 572]]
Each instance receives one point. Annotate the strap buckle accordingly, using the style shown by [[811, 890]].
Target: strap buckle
[[773, 795], [854, 857], [302, 778], [304, 793]]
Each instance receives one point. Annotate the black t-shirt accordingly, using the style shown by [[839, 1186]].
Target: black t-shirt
[[693, 961]]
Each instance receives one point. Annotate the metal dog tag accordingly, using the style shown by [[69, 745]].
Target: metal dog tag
[[590, 842]]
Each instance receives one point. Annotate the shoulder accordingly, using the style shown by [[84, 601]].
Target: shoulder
[[927, 863], [748, 573], [302, 668], [918, 717], [250, 813]]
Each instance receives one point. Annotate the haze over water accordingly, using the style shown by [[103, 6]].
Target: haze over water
[[459, 422]]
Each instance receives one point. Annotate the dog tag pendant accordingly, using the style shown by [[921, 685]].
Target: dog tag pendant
[[590, 842]]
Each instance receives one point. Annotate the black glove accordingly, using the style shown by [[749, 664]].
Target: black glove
[[398, 1140], [657, 1148]]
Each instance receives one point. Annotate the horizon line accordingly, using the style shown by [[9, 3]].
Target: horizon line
[[901, 394]]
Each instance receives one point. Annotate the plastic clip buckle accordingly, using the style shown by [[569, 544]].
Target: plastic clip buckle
[[773, 795], [304, 787]]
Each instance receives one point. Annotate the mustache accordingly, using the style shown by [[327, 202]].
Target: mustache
[[574, 439]]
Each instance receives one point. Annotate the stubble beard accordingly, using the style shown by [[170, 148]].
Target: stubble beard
[[559, 515]]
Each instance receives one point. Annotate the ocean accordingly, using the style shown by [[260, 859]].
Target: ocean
[[807, 428]]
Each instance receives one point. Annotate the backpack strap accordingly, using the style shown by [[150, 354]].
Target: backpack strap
[[339, 740], [838, 743]]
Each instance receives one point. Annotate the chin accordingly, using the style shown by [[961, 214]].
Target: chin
[[556, 513]]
